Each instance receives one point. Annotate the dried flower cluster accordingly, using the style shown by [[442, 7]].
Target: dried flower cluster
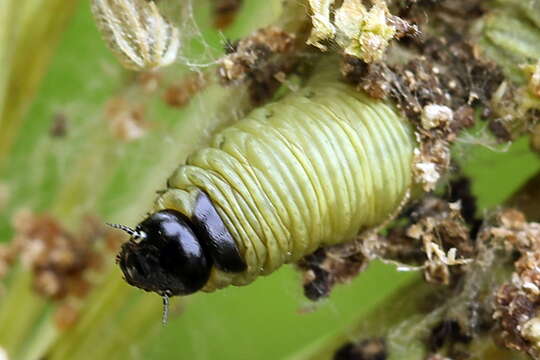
[[442, 233], [362, 33], [61, 262], [57, 258], [518, 301]]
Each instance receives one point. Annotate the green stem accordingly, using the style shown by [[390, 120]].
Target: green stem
[[27, 42], [45, 335], [139, 319], [14, 327], [100, 306]]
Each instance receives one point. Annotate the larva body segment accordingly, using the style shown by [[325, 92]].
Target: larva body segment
[[311, 170]]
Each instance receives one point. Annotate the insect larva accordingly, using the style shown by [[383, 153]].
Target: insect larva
[[308, 171], [136, 32]]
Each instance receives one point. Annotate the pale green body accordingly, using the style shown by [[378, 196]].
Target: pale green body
[[308, 171]]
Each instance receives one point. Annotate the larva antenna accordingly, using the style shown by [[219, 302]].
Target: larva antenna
[[136, 235], [165, 315]]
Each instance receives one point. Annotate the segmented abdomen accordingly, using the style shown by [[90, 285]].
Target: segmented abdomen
[[311, 170]]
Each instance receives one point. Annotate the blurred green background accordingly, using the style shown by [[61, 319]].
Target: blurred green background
[[267, 320]]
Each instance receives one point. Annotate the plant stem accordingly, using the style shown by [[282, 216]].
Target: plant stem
[[29, 32], [20, 296]]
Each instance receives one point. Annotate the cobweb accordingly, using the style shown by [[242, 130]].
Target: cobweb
[[182, 15]]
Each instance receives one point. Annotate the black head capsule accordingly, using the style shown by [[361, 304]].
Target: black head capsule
[[165, 256]]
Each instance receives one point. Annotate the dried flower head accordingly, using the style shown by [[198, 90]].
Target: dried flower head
[[434, 115], [323, 29], [367, 32], [137, 33], [59, 260], [363, 33]]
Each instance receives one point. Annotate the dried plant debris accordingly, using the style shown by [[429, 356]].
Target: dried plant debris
[[514, 111], [442, 234], [460, 189], [363, 32], [224, 12], [447, 334], [445, 11], [437, 91], [368, 349], [178, 94], [441, 71], [436, 79], [435, 227], [59, 126], [327, 267], [427, 236], [58, 259], [431, 235], [61, 261], [518, 301], [126, 119], [497, 36], [257, 59]]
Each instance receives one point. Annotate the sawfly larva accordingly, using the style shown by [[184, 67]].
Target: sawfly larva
[[310, 170]]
